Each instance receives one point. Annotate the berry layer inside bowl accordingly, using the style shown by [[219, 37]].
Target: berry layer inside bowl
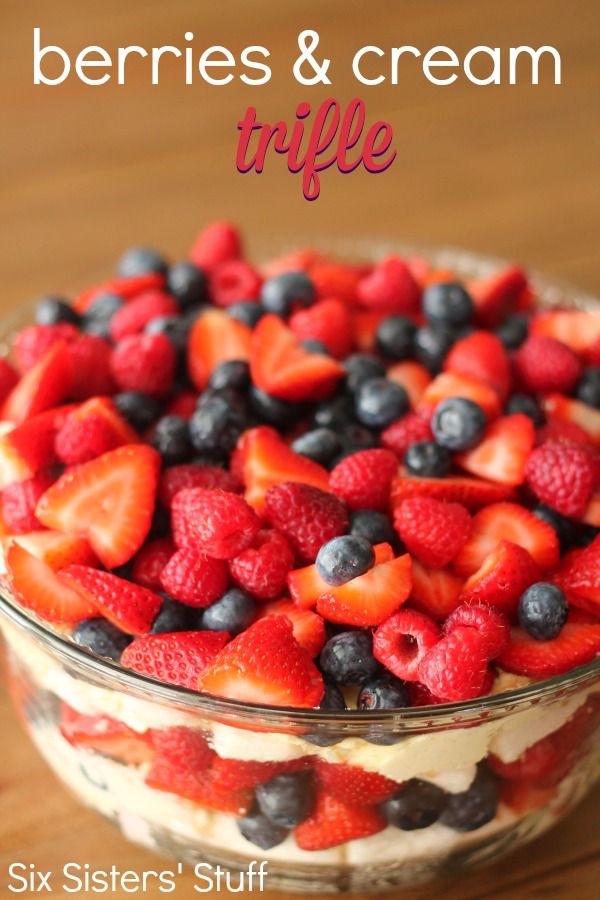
[[312, 484]]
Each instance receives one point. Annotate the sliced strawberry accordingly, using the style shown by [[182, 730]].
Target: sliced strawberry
[[283, 368], [481, 355], [38, 587], [178, 658], [448, 385], [333, 279], [354, 785], [497, 295], [109, 500], [215, 338], [329, 321], [369, 598], [576, 645], [183, 746], [54, 548], [183, 779], [123, 287], [333, 822], [29, 447], [592, 513], [558, 408], [309, 628], [434, 591], [105, 735], [237, 774], [509, 522], [129, 606], [579, 329], [578, 575], [47, 384], [265, 664], [104, 408], [502, 454], [306, 585], [266, 460], [524, 797], [365, 323], [414, 378], [471, 492], [502, 577]]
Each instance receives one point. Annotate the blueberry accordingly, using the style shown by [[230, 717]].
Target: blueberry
[[235, 373], [320, 445], [473, 808], [249, 313], [379, 402], [418, 804], [96, 319], [187, 283], [543, 610], [344, 558], [395, 337], [53, 310], [335, 413], [356, 437], [432, 343], [373, 525], [333, 701], [286, 800], [347, 658], [360, 367], [565, 530], [141, 261], [528, 405], [174, 616], [260, 831], [272, 410], [233, 612], [513, 331], [386, 692], [458, 423], [312, 345], [171, 437], [585, 535], [174, 327], [281, 293], [447, 303], [216, 426], [427, 459], [102, 638], [138, 408], [588, 389]]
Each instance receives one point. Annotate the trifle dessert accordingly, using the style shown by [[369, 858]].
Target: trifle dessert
[[301, 561]]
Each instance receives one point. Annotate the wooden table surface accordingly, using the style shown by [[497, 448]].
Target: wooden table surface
[[509, 170]]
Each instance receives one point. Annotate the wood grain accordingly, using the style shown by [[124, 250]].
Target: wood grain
[[88, 171]]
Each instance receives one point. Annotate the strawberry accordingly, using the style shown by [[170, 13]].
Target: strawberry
[[133, 317], [306, 585], [456, 667], [363, 479], [233, 281], [19, 501], [105, 409], [109, 500], [365, 323], [497, 295], [300, 260], [543, 364], [82, 439], [90, 361], [266, 460], [105, 735], [129, 606], [178, 658], [149, 563], [564, 409], [177, 478], [370, 598], [217, 243], [46, 384], [282, 367], [194, 578], [558, 431], [29, 447], [328, 321], [265, 664], [577, 644], [577, 328], [592, 511], [390, 287], [144, 362], [182, 746], [481, 355], [306, 515], [448, 385], [184, 780], [54, 548], [432, 531], [563, 476], [353, 785], [8, 379], [32, 343], [471, 492], [237, 774], [413, 377], [308, 627], [38, 587], [402, 642], [183, 405], [333, 822], [502, 577], [510, 522], [405, 432], [578, 575], [219, 523], [262, 569], [524, 797], [215, 338], [502, 454], [333, 279], [126, 288], [434, 591]]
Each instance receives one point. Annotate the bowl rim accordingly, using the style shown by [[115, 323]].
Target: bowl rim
[[551, 293]]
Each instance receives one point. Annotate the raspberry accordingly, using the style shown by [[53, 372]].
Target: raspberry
[[488, 621], [193, 578], [31, 343], [403, 640], [456, 667], [144, 362], [262, 569], [215, 244], [135, 315], [308, 516], [408, 430], [545, 364], [328, 321], [150, 561], [219, 522], [177, 478], [19, 501], [8, 379], [335, 280], [233, 281], [363, 480], [433, 531], [90, 359], [563, 476], [390, 287], [80, 440]]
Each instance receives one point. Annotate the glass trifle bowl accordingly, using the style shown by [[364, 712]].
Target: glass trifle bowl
[[471, 780]]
